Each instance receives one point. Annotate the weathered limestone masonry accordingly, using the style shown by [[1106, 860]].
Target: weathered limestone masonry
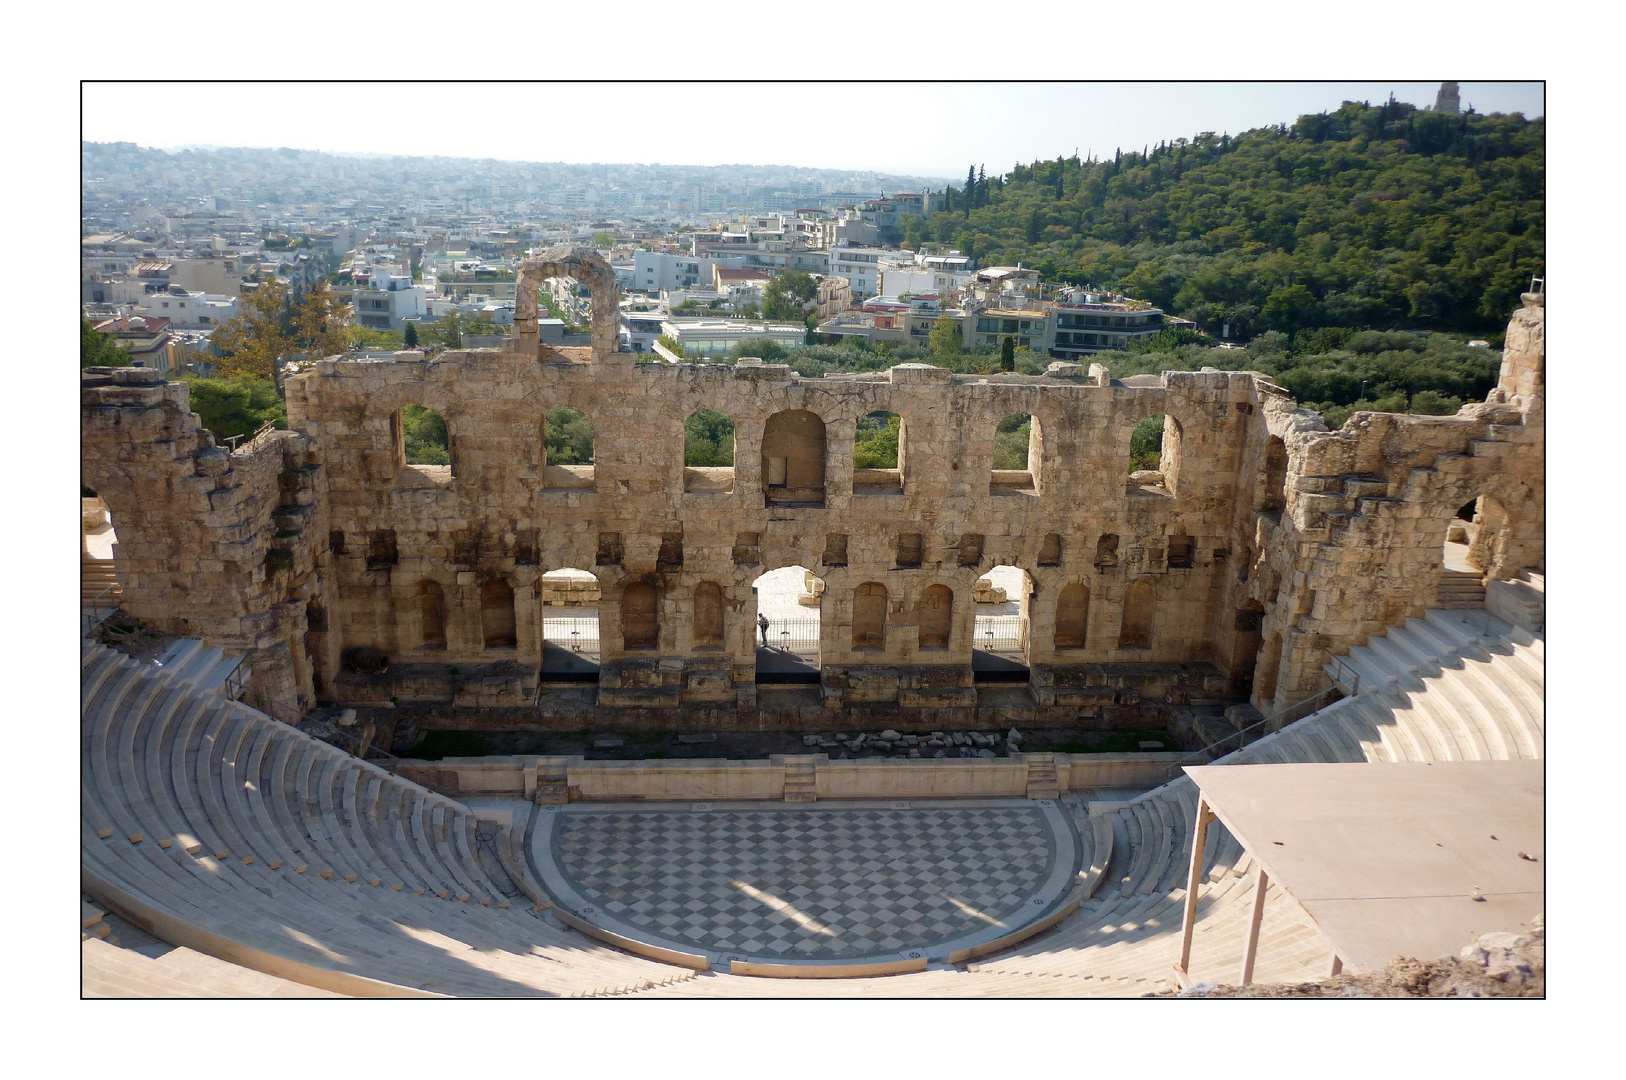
[[212, 543], [1358, 547], [1265, 544]]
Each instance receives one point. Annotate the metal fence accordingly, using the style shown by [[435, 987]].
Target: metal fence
[[798, 634], [578, 633], [1000, 634]]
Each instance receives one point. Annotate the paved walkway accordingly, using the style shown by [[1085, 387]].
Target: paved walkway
[[831, 881]]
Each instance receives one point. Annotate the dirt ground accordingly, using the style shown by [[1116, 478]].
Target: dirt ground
[[1496, 965]]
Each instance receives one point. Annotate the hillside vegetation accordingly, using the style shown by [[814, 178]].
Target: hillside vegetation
[[1368, 217]]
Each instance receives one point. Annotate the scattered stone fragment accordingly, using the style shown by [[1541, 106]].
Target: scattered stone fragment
[[890, 736]]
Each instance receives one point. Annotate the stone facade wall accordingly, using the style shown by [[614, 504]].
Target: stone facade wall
[[1236, 573], [212, 543], [495, 515]]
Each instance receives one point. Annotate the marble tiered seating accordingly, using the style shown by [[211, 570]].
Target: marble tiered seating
[[218, 828], [265, 842], [1445, 687]]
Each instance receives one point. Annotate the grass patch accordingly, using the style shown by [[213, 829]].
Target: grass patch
[[434, 745]]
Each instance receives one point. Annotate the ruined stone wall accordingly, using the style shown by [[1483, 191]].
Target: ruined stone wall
[[213, 544], [499, 514], [1267, 543], [1358, 547]]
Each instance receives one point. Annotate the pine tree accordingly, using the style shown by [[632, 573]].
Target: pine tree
[[409, 335], [970, 188], [1007, 354]]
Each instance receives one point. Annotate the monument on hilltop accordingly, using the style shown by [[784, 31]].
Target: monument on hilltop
[[1448, 100]]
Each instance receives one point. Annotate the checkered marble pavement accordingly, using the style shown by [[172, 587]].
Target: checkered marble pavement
[[810, 883]]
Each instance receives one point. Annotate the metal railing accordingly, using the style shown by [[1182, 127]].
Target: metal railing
[[1344, 671], [233, 440], [1272, 723], [999, 633], [798, 634], [94, 612], [236, 682], [578, 633]]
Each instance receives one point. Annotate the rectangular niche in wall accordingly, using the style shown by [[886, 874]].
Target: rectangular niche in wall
[[670, 556], [835, 549], [1050, 550], [970, 549], [335, 541], [910, 549], [1106, 551], [748, 549], [1182, 553], [381, 550], [609, 549]]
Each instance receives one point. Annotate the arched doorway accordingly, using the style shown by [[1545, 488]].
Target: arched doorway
[[787, 647], [1002, 627], [570, 641]]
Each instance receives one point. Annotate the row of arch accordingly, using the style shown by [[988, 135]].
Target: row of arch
[[640, 615], [794, 445]]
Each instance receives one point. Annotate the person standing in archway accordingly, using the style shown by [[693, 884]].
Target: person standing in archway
[[762, 625]]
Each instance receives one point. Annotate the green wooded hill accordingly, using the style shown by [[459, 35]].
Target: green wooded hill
[[1379, 217]]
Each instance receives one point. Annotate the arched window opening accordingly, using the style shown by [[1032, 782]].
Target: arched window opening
[[1154, 455], [640, 616], [423, 447], [793, 448], [432, 614], [567, 449], [1475, 545], [785, 625], [708, 452], [1072, 616], [570, 634], [1136, 632], [1273, 482], [1018, 453], [936, 617], [1170, 456], [497, 614], [878, 454], [1001, 629], [708, 615], [869, 616]]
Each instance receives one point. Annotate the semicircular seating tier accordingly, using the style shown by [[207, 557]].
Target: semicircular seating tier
[[220, 829], [217, 828]]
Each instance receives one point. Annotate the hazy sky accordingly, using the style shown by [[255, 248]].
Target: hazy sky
[[925, 129]]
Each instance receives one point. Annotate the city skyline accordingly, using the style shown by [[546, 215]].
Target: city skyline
[[949, 125]]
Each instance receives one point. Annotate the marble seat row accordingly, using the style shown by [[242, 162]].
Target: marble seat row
[[1448, 686], [216, 827]]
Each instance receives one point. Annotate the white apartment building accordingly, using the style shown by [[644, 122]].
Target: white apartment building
[[388, 300], [656, 272], [712, 338], [860, 266]]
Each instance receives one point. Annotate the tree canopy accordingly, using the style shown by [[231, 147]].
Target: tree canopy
[[1367, 216], [267, 327], [97, 349], [786, 295], [235, 404]]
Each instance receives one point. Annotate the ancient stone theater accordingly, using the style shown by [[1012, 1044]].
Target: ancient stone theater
[[1371, 594]]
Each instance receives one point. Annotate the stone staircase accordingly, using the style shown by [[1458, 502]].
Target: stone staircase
[[200, 668], [801, 784], [1460, 589], [1042, 780]]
